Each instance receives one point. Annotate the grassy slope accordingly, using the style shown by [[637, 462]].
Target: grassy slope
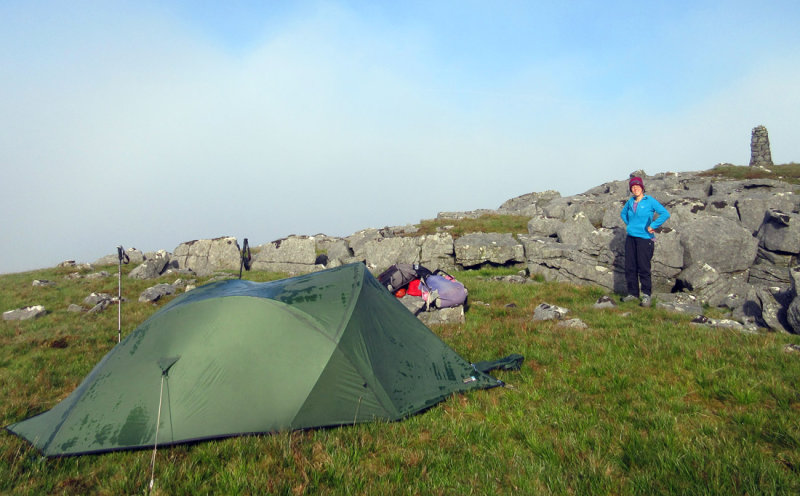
[[641, 402]]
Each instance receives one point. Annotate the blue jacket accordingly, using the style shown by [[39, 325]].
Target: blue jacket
[[638, 221]]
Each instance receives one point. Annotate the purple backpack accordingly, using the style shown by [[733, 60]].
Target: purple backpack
[[451, 293]]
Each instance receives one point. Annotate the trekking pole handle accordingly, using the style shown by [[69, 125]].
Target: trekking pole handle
[[123, 257]]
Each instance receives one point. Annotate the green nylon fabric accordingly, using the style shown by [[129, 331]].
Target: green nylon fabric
[[237, 357]]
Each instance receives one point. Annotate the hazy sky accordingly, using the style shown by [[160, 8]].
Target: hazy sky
[[151, 123]]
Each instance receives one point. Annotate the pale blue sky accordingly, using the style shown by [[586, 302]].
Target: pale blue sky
[[150, 123]]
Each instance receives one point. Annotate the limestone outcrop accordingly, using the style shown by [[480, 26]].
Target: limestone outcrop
[[732, 244]]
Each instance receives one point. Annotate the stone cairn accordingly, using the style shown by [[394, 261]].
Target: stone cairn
[[759, 147]]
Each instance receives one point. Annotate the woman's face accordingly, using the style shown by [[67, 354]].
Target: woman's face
[[637, 190]]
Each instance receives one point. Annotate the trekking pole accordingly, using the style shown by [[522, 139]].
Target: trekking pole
[[245, 257], [123, 258]]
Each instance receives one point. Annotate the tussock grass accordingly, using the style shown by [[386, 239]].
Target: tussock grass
[[641, 402], [789, 173], [498, 223]]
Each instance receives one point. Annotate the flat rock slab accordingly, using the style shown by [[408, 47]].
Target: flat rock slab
[[25, 313]]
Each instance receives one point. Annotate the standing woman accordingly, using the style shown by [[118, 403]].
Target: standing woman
[[637, 214]]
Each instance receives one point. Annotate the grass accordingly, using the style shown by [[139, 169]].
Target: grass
[[789, 173], [498, 223], [641, 402]]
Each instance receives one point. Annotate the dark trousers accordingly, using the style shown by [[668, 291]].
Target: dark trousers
[[638, 254]]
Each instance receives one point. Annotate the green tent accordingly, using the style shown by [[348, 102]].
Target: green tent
[[237, 357]]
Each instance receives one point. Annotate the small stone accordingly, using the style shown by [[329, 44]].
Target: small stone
[[573, 324], [604, 301]]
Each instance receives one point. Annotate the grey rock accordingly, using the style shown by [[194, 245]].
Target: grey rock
[[684, 210], [25, 313], [336, 249], [180, 283], [604, 301], [725, 208], [604, 245], [679, 302], [564, 263], [479, 248], [452, 315], [43, 283], [156, 292], [611, 215], [135, 256], [753, 210], [294, 255], [545, 311], [560, 208], [698, 276], [75, 308], [780, 232], [414, 304], [773, 312], [573, 324], [437, 251], [728, 291], [725, 324], [575, 231], [431, 316], [95, 298], [668, 258], [98, 275], [793, 315], [206, 256], [152, 267], [358, 240], [767, 257], [719, 242], [381, 253], [402, 230], [794, 274], [472, 214], [766, 274], [514, 279], [529, 204], [540, 225], [100, 306], [793, 310], [171, 271]]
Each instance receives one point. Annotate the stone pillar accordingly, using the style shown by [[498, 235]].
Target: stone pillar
[[759, 147]]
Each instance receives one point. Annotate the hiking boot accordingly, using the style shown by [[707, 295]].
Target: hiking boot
[[646, 302], [628, 298]]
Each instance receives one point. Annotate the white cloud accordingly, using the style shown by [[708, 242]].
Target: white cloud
[[129, 127]]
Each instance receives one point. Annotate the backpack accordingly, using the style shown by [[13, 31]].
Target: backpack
[[450, 293], [398, 276]]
